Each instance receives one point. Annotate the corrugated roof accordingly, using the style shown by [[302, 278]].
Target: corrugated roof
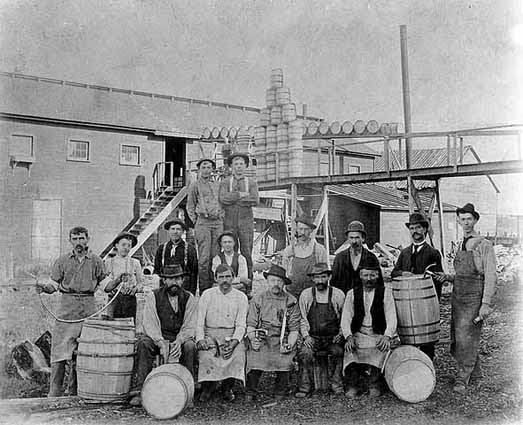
[[383, 197]]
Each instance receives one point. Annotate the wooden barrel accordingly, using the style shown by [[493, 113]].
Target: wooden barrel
[[288, 112], [233, 132], [373, 126], [385, 128], [271, 166], [259, 135], [295, 162], [335, 127], [312, 128], [417, 308], [347, 127], [276, 78], [283, 164], [261, 167], [359, 127], [224, 132], [271, 138], [270, 97], [282, 136], [215, 132], [206, 134], [395, 127], [323, 128], [265, 117], [410, 374], [295, 131], [105, 359], [167, 391], [283, 95], [276, 115]]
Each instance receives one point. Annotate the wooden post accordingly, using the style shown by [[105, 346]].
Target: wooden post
[[326, 222], [461, 150], [454, 153], [294, 208], [411, 189], [277, 167], [406, 91], [319, 157], [386, 158], [441, 218], [448, 149]]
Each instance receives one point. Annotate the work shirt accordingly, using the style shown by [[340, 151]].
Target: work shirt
[[366, 328], [117, 265], [242, 266], [306, 299], [203, 200], [78, 276], [219, 310], [151, 320], [266, 310], [485, 262], [303, 250]]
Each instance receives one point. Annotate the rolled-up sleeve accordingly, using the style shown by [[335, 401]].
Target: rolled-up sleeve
[[187, 331], [253, 314], [305, 302], [240, 323], [347, 314], [151, 321], [390, 313], [488, 258], [200, 315], [192, 199]]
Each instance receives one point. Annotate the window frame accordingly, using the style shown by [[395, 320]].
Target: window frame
[[132, 145], [349, 166], [22, 134], [70, 158]]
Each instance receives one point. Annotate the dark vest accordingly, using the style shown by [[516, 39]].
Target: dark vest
[[170, 322], [234, 264], [377, 313]]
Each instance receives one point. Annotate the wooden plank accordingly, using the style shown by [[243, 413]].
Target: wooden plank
[[24, 404]]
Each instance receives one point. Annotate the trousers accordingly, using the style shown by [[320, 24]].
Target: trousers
[[206, 233]]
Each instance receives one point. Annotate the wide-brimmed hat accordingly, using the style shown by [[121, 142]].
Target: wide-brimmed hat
[[417, 218], [468, 208], [226, 233], [356, 226], [172, 271], [320, 268], [305, 220], [170, 223], [125, 235], [370, 262], [238, 154], [278, 271], [208, 160]]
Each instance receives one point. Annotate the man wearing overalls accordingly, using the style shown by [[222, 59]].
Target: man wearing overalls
[[298, 260], [474, 286], [321, 307]]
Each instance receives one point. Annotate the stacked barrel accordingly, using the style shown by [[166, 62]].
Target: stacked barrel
[[279, 134], [359, 127]]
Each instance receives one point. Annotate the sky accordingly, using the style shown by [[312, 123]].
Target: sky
[[340, 57]]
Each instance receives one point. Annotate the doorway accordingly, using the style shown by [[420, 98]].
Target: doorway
[[175, 153]]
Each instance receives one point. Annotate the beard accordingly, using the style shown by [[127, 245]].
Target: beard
[[370, 284], [173, 290], [321, 286]]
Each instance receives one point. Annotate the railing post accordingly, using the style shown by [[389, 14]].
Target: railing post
[[448, 149], [455, 152], [319, 157], [386, 158], [461, 150]]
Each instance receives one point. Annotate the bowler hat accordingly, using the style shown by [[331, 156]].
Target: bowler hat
[[305, 220], [356, 226], [238, 154], [172, 271], [124, 235], [208, 160], [468, 208], [278, 271], [417, 218], [370, 262], [226, 233], [320, 268], [170, 223]]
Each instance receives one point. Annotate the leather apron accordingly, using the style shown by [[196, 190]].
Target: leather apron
[[300, 269], [323, 321]]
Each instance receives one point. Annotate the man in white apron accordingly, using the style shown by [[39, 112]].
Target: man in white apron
[[76, 276], [220, 328], [298, 260], [368, 323], [273, 324]]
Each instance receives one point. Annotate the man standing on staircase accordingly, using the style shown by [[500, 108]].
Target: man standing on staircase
[[205, 211], [177, 251], [238, 194]]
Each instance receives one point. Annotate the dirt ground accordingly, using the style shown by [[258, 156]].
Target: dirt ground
[[496, 398]]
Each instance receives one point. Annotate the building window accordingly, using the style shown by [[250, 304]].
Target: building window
[[78, 150], [21, 145], [354, 169], [129, 155]]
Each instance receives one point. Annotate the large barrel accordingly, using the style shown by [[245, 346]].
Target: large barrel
[[277, 78], [335, 127], [373, 126], [410, 374], [270, 138], [167, 391], [270, 97], [295, 162], [359, 127], [224, 132], [276, 115], [206, 134], [323, 128], [417, 308], [347, 127], [295, 131], [105, 359], [283, 95], [288, 112], [215, 132], [312, 128], [270, 166], [265, 116], [282, 136]]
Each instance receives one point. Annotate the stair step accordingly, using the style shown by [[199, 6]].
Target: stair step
[[134, 232]]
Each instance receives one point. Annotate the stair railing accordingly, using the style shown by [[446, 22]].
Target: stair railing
[[160, 171]]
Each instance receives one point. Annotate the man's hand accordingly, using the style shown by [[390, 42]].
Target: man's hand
[[175, 349], [351, 345], [229, 348], [443, 277], [255, 343], [308, 342], [406, 273], [338, 338], [44, 287], [202, 345], [383, 343], [164, 350], [484, 311]]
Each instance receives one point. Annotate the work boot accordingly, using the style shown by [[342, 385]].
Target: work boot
[[228, 395], [352, 392], [57, 379], [136, 401], [374, 392], [72, 387]]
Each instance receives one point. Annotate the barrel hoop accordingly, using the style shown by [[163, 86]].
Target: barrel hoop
[[417, 326], [101, 341], [416, 298], [87, 394], [80, 353], [413, 289], [99, 372], [419, 334]]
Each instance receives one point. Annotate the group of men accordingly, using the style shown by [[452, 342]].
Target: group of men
[[347, 314]]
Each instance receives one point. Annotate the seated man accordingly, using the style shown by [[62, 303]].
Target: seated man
[[320, 308], [368, 323], [168, 322], [235, 260], [220, 328], [273, 324]]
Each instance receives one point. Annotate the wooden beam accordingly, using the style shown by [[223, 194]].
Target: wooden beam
[[326, 222], [441, 219], [294, 209]]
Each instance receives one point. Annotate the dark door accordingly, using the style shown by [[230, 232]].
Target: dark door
[[175, 153]]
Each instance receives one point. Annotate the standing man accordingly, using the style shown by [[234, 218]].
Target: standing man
[[228, 255], [205, 211], [177, 251], [321, 308], [238, 194], [76, 275], [472, 292], [220, 327], [299, 260], [346, 267], [369, 324], [169, 321], [273, 325]]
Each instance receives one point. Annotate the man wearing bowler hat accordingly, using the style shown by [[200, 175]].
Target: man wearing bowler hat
[[299, 259], [273, 325], [474, 286], [238, 194], [346, 267], [169, 324], [205, 211], [177, 251]]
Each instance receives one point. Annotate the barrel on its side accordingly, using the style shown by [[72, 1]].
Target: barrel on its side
[[167, 391], [410, 374], [417, 308]]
